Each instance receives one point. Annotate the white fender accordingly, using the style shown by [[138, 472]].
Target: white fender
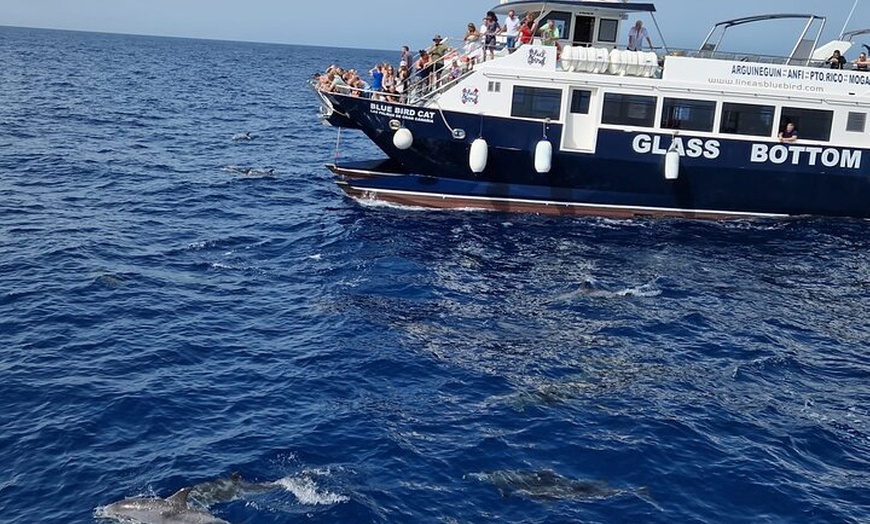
[[579, 59], [617, 66], [403, 139], [477, 155], [543, 156], [631, 60], [672, 164], [567, 58]]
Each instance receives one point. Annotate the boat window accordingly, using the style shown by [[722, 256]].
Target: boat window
[[584, 28], [747, 119], [562, 20], [536, 102], [857, 122], [580, 100], [608, 30], [691, 115], [629, 110], [811, 124]]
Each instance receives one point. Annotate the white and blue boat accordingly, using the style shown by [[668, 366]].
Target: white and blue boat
[[590, 128]]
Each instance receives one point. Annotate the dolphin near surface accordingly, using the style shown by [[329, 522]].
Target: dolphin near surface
[[228, 490], [156, 510], [547, 485]]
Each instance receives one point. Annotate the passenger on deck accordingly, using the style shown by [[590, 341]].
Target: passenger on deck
[[837, 61], [390, 83], [511, 29], [490, 30], [406, 58], [636, 36], [403, 82], [471, 33], [437, 51], [472, 49], [527, 31], [337, 83], [861, 64], [789, 134], [377, 74], [422, 71], [550, 33]]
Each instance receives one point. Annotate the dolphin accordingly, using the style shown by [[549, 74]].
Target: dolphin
[[546, 485], [249, 171], [227, 490], [243, 136], [156, 510]]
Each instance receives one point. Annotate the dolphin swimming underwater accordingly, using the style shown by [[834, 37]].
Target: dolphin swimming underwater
[[228, 489], [546, 485], [156, 510]]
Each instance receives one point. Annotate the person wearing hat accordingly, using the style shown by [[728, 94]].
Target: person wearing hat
[[436, 54]]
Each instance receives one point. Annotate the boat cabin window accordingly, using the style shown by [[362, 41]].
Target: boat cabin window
[[608, 30], [811, 124], [629, 110], [584, 29], [562, 20], [747, 119], [857, 122], [580, 100], [690, 115], [536, 102]]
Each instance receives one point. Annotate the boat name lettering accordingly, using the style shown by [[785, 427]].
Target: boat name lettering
[[806, 155], [537, 57], [692, 148], [406, 113]]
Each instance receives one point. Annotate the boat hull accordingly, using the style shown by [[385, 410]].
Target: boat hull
[[623, 177]]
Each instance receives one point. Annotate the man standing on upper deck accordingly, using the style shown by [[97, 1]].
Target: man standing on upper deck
[[636, 36], [512, 29]]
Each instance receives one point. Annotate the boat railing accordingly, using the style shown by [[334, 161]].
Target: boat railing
[[746, 57]]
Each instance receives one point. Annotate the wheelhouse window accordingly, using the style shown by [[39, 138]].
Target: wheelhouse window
[[536, 102], [580, 100], [857, 122], [747, 119], [607, 30], [689, 115], [562, 20], [629, 110], [811, 124]]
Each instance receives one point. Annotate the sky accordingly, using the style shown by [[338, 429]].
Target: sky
[[384, 24]]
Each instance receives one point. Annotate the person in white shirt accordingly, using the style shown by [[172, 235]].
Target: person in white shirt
[[511, 29], [636, 36]]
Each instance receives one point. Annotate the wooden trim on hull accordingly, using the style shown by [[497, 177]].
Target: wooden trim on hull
[[510, 205], [358, 174]]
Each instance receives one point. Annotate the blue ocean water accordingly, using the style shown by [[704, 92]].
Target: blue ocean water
[[166, 320]]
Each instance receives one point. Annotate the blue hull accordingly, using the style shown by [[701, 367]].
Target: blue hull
[[624, 177]]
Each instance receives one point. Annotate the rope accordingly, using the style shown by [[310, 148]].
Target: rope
[[443, 118]]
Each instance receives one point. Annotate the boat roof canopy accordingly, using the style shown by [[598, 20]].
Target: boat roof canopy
[[567, 5], [762, 18], [804, 48]]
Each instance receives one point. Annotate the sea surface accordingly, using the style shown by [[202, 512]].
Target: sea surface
[[168, 317]]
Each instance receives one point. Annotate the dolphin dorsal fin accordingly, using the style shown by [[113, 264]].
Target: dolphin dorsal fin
[[180, 497]]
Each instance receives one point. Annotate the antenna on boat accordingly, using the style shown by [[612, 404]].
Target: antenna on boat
[[848, 19]]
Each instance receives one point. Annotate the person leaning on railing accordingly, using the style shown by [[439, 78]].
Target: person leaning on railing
[[861, 64]]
